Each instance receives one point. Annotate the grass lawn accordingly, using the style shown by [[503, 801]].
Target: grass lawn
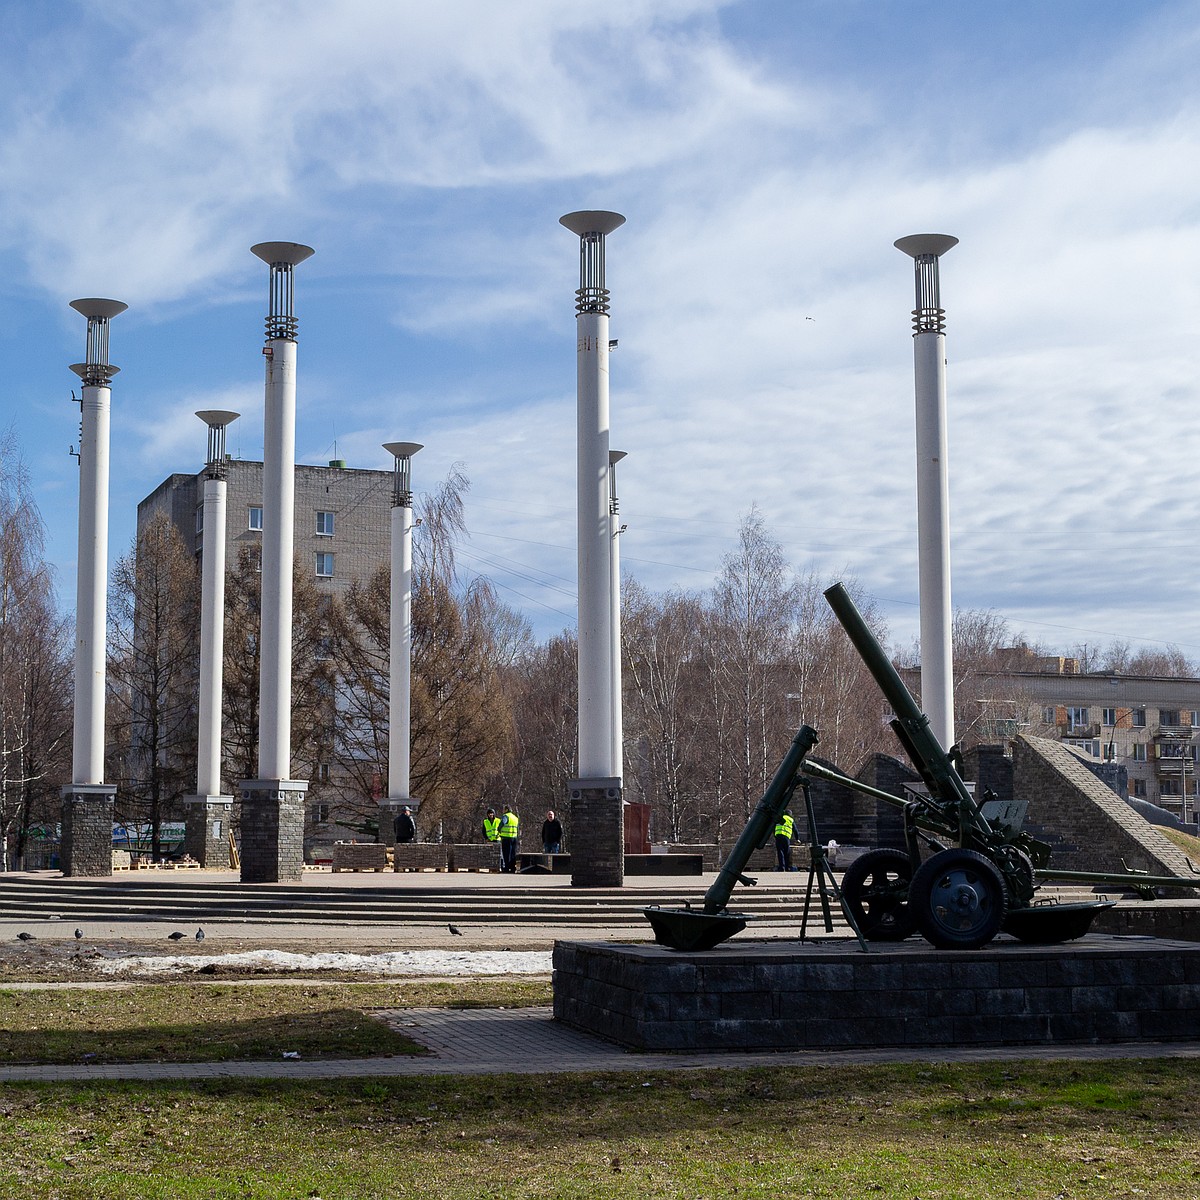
[[181, 1022], [1054, 1131]]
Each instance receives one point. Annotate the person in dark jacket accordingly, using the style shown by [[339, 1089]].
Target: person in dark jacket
[[551, 834], [405, 826]]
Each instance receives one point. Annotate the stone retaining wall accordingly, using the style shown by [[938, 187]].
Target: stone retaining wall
[[421, 856], [784, 996]]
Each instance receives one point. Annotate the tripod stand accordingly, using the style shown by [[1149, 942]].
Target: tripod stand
[[820, 875]]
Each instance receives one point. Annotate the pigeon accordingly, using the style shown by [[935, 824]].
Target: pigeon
[[79, 935], [176, 935], [26, 937], [199, 935], [454, 929]]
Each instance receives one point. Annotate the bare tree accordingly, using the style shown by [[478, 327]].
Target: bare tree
[[35, 662], [663, 677], [152, 674], [753, 612]]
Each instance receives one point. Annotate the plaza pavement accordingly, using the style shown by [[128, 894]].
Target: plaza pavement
[[460, 1042]]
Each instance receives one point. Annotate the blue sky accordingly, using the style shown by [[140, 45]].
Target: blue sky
[[766, 154]]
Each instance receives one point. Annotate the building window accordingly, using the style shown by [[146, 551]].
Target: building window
[[322, 772], [320, 813], [1138, 752], [1139, 718], [325, 524], [1049, 715], [1110, 716], [1168, 787], [1168, 716], [1139, 788], [200, 519], [1077, 717], [324, 566], [1194, 717], [1170, 750], [255, 521]]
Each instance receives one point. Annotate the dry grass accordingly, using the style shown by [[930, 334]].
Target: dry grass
[[1055, 1131]]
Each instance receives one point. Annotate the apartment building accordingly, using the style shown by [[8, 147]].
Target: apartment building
[[343, 516]]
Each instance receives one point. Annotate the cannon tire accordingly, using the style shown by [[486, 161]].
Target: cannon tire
[[875, 889], [958, 899]]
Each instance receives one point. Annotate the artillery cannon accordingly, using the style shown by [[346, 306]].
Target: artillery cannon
[[983, 872]]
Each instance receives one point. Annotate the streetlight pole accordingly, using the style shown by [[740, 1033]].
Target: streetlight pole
[[400, 639], [597, 812], [273, 804], [933, 487], [206, 836], [87, 804]]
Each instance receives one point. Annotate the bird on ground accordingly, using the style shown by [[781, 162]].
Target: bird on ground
[[454, 929], [176, 935], [79, 935], [199, 935], [26, 937]]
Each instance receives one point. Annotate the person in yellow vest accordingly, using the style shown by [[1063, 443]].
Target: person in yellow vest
[[491, 825], [509, 831], [785, 830]]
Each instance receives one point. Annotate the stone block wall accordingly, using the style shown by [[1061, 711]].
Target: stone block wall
[[884, 823], [597, 833], [87, 828], [273, 830], [360, 856], [474, 856], [1088, 825], [707, 850], [780, 996], [206, 830], [421, 856]]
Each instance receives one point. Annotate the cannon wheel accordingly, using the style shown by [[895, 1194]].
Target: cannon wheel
[[958, 899], [875, 888]]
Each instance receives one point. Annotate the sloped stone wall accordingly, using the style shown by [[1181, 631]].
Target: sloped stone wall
[[1088, 825]]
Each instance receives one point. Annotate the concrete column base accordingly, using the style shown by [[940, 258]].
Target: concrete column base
[[206, 830], [87, 823], [597, 833], [272, 830], [388, 811]]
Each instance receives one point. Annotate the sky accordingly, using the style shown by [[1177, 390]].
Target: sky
[[766, 155]]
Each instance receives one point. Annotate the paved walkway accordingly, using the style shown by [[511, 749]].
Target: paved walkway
[[469, 1042]]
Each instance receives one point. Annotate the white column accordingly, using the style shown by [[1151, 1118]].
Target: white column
[[400, 698], [615, 527], [91, 607], [278, 539], [594, 551], [212, 639], [933, 486], [933, 536], [91, 612]]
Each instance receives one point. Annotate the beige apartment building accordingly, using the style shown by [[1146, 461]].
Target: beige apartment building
[[342, 534], [343, 516], [1148, 724]]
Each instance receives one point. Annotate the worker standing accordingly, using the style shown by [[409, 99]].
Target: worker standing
[[785, 827], [509, 831]]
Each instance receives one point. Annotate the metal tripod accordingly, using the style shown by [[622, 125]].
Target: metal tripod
[[820, 875]]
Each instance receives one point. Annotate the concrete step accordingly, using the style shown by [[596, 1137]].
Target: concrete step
[[190, 900]]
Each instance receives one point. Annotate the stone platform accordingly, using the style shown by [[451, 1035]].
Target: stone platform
[[806, 995]]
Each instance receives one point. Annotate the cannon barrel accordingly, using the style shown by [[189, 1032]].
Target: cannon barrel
[[762, 821], [692, 929], [912, 725]]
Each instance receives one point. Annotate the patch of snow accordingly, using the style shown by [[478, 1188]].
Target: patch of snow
[[398, 962]]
